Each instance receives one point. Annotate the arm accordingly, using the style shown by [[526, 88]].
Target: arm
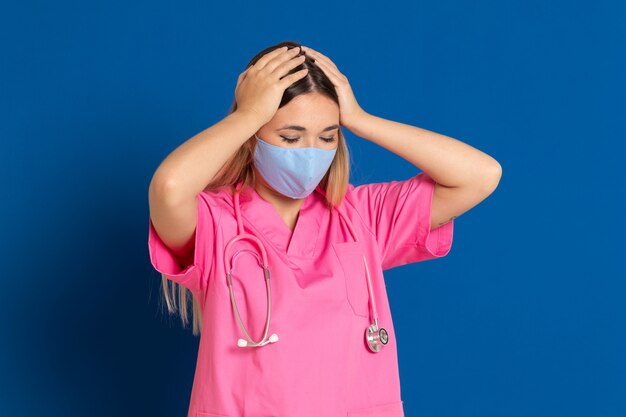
[[185, 173], [464, 175]]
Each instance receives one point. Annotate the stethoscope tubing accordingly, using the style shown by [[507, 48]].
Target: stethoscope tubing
[[229, 265]]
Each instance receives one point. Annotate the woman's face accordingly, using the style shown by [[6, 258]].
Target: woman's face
[[307, 121]]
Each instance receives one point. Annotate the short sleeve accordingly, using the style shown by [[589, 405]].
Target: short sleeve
[[191, 276], [399, 215]]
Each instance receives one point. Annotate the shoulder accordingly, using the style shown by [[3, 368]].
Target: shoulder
[[380, 189], [371, 199]]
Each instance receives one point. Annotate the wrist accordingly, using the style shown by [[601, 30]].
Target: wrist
[[355, 121], [248, 117]]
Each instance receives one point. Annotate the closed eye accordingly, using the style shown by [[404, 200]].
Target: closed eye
[[294, 140]]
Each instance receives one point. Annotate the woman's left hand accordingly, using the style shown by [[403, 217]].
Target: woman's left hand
[[349, 109]]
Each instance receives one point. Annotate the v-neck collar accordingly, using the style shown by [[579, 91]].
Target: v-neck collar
[[263, 217]]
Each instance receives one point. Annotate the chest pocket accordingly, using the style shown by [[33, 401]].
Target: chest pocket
[[350, 256]]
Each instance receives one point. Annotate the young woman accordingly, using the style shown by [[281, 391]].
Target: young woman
[[254, 220]]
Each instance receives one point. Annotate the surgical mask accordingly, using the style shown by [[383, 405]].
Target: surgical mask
[[294, 172]]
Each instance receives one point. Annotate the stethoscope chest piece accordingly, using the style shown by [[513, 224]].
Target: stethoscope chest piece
[[376, 337]]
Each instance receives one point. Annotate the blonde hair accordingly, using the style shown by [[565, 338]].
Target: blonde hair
[[240, 167]]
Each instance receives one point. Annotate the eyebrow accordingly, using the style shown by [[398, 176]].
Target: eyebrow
[[303, 129]]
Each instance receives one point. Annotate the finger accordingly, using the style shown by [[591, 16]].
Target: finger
[[285, 67], [260, 64], [279, 60], [292, 78], [319, 56], [243, 74], [330, 72]]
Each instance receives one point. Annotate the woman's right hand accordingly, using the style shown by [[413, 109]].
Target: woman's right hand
[[261, 86]]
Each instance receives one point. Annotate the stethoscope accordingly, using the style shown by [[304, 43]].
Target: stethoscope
[[375, 337]]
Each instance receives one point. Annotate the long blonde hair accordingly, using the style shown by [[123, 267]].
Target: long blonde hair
[[240, 167]]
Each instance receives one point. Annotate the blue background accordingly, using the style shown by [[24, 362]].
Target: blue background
[[524, 317]]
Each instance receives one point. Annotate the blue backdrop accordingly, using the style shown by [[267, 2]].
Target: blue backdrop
[[524, 317]]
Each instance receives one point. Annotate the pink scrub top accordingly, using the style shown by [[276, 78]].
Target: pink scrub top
[[321, 365]]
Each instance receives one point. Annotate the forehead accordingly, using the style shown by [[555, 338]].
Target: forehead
[[308, 110]]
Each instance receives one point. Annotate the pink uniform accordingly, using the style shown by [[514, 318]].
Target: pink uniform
[[321, 365]]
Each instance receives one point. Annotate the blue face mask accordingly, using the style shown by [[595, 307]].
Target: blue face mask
[[293, 172]]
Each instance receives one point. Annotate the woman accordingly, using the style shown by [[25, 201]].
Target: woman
[[277, 168]]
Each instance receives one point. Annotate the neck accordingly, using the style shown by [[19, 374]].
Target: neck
[[288, 208], [279, 201]]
